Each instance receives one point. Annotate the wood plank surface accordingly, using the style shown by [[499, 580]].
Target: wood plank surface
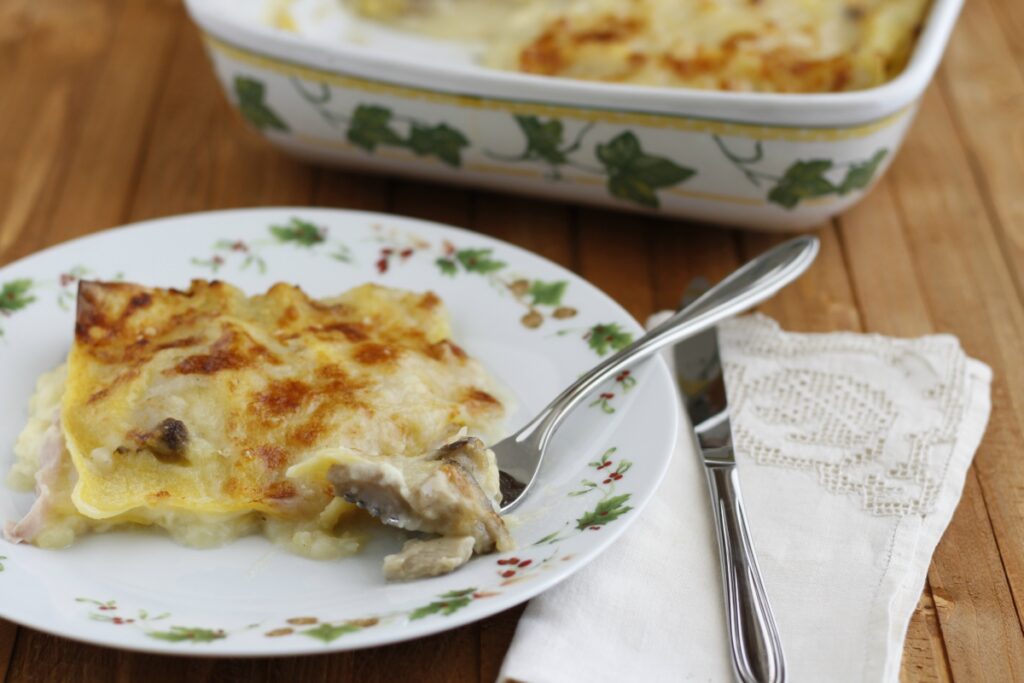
[[109, 113]]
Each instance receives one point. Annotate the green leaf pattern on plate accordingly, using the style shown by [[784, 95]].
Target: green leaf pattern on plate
[[608, 508], [14, 296], [250, 253], [182, 634], [547, 293], [299, 232], [449, 603], [328, 633], [607, 337]]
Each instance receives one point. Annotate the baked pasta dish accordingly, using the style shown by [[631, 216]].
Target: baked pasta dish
[[785, 46], [212, 415]]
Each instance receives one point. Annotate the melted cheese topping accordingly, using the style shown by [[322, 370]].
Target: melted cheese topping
[[763, 45], [185, 409]]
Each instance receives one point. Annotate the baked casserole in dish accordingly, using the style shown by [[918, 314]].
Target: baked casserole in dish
[[775, 115]]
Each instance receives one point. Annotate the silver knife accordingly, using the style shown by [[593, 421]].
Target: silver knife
[[753, 636]]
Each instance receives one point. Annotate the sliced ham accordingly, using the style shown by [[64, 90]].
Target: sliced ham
[[52, 455]]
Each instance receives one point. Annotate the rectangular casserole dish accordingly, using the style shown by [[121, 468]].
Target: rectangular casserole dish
[[407, 105]]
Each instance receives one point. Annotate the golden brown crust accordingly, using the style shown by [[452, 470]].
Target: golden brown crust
[[782, 46], [168, 382]]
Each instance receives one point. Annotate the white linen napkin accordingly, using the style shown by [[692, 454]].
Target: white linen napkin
[[852, 451]]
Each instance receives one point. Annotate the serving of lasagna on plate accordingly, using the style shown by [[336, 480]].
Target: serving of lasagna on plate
[[213, 415], [741, 45]]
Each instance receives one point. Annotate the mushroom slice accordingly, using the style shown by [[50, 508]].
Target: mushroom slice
[[432, 557], [437, 493]]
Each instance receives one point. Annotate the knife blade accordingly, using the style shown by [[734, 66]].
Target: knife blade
[[754, 642]]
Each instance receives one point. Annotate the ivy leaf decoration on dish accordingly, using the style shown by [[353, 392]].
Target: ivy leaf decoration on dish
[[601, 338], [370, 126], [251, 93], [802, 180], [636, 176], [858, 176], [547, 293], [299, 232], [606, 511], [16, 295], [543, 139], [177, 634], [441, 141], [450, 602]]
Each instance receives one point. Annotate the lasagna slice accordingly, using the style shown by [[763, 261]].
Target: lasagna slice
[[187, 410]]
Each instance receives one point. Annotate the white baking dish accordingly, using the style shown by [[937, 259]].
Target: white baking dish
[[397, 103]]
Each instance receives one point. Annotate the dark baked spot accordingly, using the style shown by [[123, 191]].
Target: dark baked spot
[[280, 398], [354, 332], [375, 354], [456, 349], [232, 351], [307, 433], [140, 300], [103, 310], [550, 52], [480, 399], [446, 350], [279, 490], [126, 376], [88, 312], [429, 301], [274, 457], [290, 315], [179, 343], [210, 363]]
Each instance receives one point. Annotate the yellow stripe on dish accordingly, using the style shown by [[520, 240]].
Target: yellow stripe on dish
[[698, 125]]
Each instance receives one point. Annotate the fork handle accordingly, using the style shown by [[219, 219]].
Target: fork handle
[[753, 636], [748, 286]]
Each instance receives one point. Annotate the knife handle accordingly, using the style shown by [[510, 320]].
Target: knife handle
[[753, 636]]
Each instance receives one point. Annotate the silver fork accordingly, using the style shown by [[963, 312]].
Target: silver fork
[[520, 455]]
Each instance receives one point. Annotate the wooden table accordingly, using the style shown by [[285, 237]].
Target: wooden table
[[109, 113]]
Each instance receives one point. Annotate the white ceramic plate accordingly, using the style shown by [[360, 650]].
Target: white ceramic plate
[[141, 591]]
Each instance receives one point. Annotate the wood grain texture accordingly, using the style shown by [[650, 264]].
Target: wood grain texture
[[110, 113], [969, 291], [986, 102], [48, 55], [875, 275]]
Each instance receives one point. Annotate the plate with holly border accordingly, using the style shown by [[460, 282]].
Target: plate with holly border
[[533, 324]]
